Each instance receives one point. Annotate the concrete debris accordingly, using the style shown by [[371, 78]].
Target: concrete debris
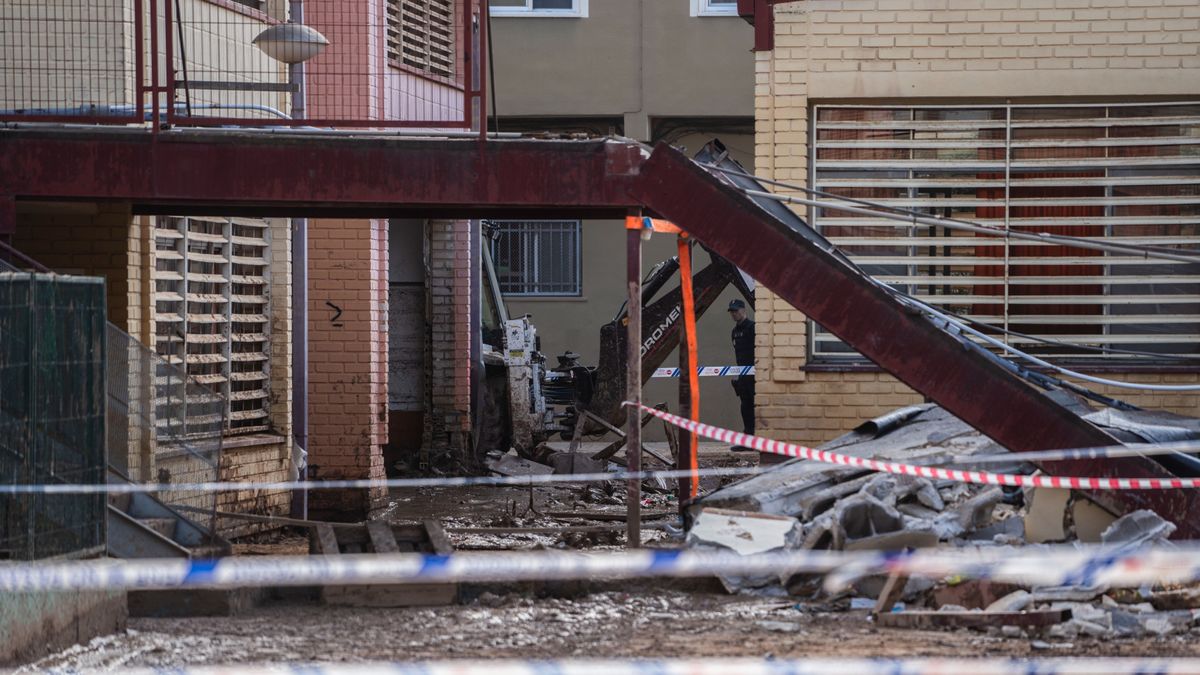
[[1013, 602], [1068, 593], [815, 506], [1138, 529], [747, 534], [511, 465]]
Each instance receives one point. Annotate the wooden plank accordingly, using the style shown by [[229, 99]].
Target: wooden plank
[[606, 515], [381, 536], [892, 590], [410, 532], [565, 529], [326, 539], [924, 620], [437, 537]]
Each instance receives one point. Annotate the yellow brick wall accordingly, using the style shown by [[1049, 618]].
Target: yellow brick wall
[[909, 51]]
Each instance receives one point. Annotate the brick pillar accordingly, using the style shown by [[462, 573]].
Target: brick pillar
[[347, 362], [448, 389]]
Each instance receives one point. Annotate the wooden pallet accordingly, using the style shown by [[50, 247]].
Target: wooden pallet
[[380, 537]]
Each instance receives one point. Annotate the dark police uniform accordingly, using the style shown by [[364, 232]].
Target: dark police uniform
[[743, 386]]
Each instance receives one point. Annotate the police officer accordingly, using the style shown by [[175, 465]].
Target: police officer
[[743, 351]]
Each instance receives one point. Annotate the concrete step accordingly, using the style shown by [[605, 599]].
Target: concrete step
[[163, 526]]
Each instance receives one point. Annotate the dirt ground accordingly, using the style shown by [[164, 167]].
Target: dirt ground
[[643, 619], [641, 622]]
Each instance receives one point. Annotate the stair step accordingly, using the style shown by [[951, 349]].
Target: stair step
[[163, 526]]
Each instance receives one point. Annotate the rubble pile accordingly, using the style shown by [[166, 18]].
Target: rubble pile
[[807, 505]]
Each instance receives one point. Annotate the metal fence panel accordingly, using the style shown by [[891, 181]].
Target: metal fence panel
[[72, 60], [387, 64], [52, 418]]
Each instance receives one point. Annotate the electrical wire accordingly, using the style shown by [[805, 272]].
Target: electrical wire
[[909, 216], [1089, 348], [952, 321], [876, 208]]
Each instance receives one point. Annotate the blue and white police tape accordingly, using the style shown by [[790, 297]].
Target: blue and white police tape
[[369, 483], [1032, 566], [925, 666], [708, 371]]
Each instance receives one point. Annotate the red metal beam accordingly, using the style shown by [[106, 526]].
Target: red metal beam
[[281, 174], [817, 282]]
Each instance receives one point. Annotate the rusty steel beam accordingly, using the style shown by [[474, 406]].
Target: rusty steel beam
[[906, 344], [257, 173]]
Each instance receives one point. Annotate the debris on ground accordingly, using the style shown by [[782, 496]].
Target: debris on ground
[[803, 504]]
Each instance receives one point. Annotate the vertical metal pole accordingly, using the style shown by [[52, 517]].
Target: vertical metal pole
[[155, 116], [169, 63], [139, 62], [687, 345], [683, 460], [484, 23], [633, 374], [296, 75]]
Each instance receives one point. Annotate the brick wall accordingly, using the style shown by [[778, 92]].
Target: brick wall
[[98, 240], [347, 361], [905, 51], [448, 422]]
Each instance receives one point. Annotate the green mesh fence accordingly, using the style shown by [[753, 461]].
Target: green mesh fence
[[52, 411]]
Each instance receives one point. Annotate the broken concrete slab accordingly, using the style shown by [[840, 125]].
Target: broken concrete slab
[[1137, 529], [1013, 602], [745, 533]]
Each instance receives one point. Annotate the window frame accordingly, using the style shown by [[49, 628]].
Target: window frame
[[705, 8], [1107, 319], [577, 282], [579, 12]]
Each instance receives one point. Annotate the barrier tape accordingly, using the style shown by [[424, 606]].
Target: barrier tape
[[367, 483], [1031, 566], [923, 666], [708, 371], [958, 475]]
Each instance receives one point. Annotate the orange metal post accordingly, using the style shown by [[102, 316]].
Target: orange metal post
[[689, 327]]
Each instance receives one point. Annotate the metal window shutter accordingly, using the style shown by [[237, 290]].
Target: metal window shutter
[[421, 34], [1128, 173]]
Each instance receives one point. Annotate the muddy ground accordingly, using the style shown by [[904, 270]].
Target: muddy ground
[[644, 619], [640, 622]]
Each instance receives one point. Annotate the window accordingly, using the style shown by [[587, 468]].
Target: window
[[421, 35], [714, 8], [1120, 173], [211, 282], [539, 7], [538, 257]]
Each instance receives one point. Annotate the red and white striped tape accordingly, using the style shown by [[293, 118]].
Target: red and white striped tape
[[979, 477]]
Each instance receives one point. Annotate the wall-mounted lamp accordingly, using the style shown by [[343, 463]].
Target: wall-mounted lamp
[[291, 43]]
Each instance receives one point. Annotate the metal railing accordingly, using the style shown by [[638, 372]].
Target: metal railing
[[391, 64]]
